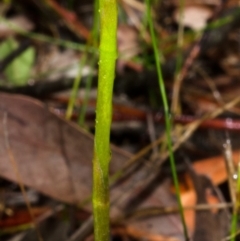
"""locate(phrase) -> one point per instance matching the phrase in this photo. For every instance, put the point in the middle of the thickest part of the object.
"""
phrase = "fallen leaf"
(52, 155)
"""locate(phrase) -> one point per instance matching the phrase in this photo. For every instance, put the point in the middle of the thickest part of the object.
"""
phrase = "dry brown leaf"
(53, 156)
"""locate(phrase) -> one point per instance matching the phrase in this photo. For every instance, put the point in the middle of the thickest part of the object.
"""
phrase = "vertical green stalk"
(94, 42)
(167, 115)
(95, 28)
(81, 118)
(75, 88)
(102, 155)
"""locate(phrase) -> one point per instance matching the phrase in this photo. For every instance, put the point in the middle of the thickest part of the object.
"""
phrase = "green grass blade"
(75, 88)
(81, 118)
(167, 115)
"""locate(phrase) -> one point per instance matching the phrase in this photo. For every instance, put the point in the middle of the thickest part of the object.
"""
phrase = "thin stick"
(157, 211)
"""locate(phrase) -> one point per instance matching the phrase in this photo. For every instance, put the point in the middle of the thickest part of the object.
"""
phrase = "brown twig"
(71, 20)
(127, 113)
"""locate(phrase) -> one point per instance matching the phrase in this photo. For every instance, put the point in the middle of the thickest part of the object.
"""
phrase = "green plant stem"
(75, 88)
(167, 116)
(81, 118)
(95, 29)
(102, 155)
(92, 41)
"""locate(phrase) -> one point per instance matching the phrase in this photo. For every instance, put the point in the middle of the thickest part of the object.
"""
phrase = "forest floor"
(47, 126)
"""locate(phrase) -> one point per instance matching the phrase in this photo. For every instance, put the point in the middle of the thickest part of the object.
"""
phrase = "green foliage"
(18, 71)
